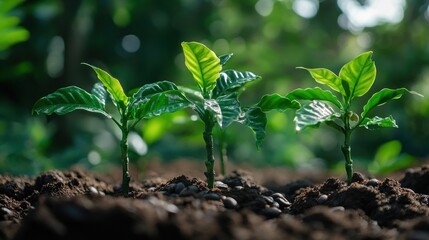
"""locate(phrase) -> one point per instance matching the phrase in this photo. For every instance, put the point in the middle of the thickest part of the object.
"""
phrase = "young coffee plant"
(216, 100)
(148, 101)
(222, 133)
(355, 79)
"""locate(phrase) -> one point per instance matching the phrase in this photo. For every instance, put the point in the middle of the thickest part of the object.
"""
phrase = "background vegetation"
(139, 42)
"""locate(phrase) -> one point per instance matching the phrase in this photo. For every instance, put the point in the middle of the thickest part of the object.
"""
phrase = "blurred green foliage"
(140, 42)
(388, 158)
(10, 33)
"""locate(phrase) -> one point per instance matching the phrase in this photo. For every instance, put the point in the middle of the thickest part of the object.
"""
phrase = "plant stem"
(222, 152)
(208, 138)
(124, 157)
(346, 149)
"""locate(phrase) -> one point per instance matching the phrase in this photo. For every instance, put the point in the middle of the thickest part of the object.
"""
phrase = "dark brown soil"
(77, 204)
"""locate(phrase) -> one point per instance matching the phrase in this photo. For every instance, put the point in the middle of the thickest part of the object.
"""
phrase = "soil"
(78, 204)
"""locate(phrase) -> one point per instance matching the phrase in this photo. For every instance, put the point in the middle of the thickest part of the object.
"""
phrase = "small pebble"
(277, 195)
(373, 182)
(187, 191)
(93, 190)
(194, 188)
(238, 187)
(179, 187)
(338, 209)
(7, 211)
(101, 193)
(171, 208)
(211, 196)
(358, 177)
(283, 202)
(322, 198)
(271, 212)
(268, 200)
(230, 203)
(171, 188)
(220, 184)
(276, 204)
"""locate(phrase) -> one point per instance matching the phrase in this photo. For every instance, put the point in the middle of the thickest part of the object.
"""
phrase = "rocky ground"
(77, 204)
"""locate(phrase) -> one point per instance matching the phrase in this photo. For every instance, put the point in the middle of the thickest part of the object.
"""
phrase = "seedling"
(148, 101)
(216, 100)
(223, 133)
(355, 79)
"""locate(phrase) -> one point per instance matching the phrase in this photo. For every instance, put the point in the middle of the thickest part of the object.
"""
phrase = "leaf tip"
(416, 93)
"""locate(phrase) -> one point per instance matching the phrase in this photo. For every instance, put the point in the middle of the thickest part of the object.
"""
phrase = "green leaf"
(378, 122)
(224, 58)
(314, 94)
(112, 85)
(8, 22)
(68, 99)
(387, 151)
(7, 5)
(212, 107)
(388, 158)
(148, 90)
(313, 114)
(231, 80)
(360, 74)
(203, 64)
(230, 107)
(277, 102)
(100, 92)
(327, 77)
(148, 93)
(383, 96)
(255, 119)
(11, 36)
(160, 103)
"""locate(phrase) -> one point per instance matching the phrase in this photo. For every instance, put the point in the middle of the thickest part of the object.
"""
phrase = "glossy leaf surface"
(314, 94)
(255, 119)
(157, 104)
(313, 114)
(383, 96)
(231, 80)
(69, 99)
(148, 90)
(212, 107)
(378, 122)
(230, 107)
(225, 58)
(277, 102)
(100, 92)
